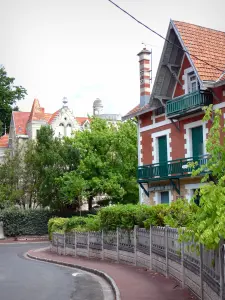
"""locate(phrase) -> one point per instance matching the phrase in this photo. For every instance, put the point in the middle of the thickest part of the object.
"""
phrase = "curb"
(24, 243)
(105, 276)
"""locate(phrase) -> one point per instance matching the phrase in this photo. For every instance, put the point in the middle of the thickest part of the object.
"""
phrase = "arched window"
(68, 130)
(61, 130)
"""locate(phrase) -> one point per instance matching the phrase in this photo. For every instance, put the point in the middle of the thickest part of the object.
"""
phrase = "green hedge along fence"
(18, 222)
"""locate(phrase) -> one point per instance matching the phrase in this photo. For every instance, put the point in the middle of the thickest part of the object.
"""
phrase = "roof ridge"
(200, 26)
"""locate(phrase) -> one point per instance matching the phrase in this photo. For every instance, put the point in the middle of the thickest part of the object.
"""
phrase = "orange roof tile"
(207, 44)
(137, 110)
(20, 121)
(53, 116)
(47, 117)
(81, 120)
(4, 141)
(37, 112)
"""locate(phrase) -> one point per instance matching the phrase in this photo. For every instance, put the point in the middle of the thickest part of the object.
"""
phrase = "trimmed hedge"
(81, 224)
(25, 222)
(31, 222)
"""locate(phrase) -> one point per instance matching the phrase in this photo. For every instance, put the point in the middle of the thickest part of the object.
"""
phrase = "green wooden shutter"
(162, 149)
(197, 142)
(165, 197)
(162, 143)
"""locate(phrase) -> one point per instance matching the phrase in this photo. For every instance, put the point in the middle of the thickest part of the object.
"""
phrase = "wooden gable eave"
(187, 54)
(168, 70)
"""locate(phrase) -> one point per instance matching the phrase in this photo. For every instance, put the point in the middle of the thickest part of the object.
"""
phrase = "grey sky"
(87, 49)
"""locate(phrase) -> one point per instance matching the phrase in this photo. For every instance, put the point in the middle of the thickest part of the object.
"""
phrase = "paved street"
(22, 279)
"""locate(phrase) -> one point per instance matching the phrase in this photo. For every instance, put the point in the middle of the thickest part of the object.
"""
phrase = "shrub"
(180, 213)
(126, 216)
(90, 223)
(56, 225)
(74, 222)
(157, 216)
(24, 222)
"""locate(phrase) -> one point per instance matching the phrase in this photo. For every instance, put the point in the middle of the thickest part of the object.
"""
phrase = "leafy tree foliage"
(209, 219)
(17, 177)
(108, 160)
(54, 158)
(9, 95)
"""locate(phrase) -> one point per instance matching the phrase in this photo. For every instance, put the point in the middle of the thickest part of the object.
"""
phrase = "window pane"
(165, 197)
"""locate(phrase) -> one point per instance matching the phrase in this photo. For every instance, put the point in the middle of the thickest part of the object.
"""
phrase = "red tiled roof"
(137, 110)
(81, 120)
(4, 141)
(20, 121)
(37, 112)
(53, 116)
(47, 117)
(208, 45)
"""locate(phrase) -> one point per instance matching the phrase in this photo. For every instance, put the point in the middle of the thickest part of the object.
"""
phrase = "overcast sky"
(88, 48)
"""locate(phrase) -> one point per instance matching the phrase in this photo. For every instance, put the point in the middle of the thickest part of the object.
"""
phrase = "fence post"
(221, 257)
(64, 244)
(88, 244)
(201, 272)
(166, 248)
(117, 244)
(75, 243)
(135, 244)
(150, 246)
(102, 244)
(57, 244)
(182, 263)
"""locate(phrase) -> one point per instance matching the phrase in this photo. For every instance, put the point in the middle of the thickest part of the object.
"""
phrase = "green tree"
(209, 219)
(108, 160)
(53, 159)
(9, 95)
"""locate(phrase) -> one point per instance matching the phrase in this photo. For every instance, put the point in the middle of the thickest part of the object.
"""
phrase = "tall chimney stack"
(144, 61)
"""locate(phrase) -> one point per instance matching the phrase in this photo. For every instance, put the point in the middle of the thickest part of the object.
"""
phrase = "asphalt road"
(24, 279)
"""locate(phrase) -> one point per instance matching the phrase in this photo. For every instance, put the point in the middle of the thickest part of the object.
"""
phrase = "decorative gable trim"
(188, 55)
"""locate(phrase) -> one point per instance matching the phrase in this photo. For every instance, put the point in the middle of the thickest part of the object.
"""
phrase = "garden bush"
(56, 225)
(25, 222)
(89, 223)
(178, 214)
(126, 216)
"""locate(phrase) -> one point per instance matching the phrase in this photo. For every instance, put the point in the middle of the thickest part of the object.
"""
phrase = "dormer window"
(192, 82)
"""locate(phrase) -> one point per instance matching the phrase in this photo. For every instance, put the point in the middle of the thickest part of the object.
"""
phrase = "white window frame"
(189, 75)
(186, 79)
(190, 189)
(188, 137)
(155, 145)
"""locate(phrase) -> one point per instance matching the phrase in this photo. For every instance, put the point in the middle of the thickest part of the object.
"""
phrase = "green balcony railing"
(171, 169)
(183, 104)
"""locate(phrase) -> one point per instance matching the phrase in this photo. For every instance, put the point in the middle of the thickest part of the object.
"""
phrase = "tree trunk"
(90, 203)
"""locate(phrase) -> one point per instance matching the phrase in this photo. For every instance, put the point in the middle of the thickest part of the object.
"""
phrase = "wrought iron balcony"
(171, 169)
(188, 103)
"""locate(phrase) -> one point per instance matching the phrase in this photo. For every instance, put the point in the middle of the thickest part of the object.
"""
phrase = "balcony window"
(192, 82)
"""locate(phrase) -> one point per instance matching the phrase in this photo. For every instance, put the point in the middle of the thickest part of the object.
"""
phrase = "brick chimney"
(144, 61)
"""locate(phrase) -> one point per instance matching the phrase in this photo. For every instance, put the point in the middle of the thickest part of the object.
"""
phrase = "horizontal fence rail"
(159, 249)
(172, 168)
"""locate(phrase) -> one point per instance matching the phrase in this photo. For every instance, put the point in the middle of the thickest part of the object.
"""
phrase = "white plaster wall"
(65, 117)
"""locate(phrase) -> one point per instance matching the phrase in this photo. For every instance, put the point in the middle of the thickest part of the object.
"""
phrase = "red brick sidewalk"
(134, 283)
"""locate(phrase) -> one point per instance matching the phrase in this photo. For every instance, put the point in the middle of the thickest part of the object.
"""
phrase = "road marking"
(75, 274)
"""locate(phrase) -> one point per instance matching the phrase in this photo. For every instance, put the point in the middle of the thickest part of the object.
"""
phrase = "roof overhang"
(213, 84)
(138, 113)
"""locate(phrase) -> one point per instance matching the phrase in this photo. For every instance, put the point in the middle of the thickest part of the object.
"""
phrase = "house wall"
(179, 140)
